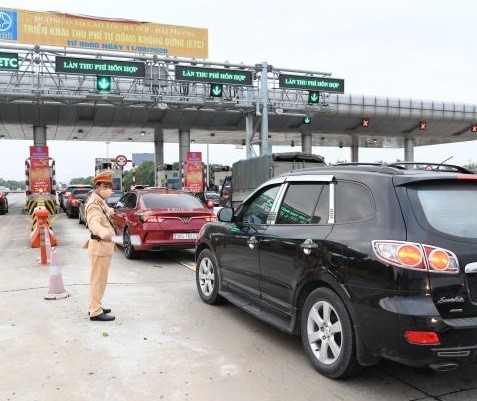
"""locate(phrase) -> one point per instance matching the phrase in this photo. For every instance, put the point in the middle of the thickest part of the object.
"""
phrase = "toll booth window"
(257, 209)
(299, 203)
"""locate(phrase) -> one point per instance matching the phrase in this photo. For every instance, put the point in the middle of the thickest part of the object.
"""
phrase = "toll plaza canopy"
(99, 95)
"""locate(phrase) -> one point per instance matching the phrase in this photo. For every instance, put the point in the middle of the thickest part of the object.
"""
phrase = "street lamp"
(212, 134)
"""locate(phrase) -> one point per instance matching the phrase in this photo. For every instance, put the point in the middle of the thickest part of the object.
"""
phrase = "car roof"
(400, 173)
(160, 190)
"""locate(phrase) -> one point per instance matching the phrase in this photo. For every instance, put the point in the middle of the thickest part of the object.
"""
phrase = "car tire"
(128, 248)
(328, 336)
(2, 208)
(207, 278)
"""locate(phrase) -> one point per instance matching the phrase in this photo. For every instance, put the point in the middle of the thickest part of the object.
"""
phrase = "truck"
(248, 174)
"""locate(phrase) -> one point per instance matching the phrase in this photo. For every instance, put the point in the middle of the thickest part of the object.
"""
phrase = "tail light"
(145, 218)
(74, 202)
(211, 218)
(415, 256)
(422, 337)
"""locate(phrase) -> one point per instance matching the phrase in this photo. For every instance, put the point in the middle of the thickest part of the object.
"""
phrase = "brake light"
(415, 256)
(422, 337)
(211, 218)
(74, 201)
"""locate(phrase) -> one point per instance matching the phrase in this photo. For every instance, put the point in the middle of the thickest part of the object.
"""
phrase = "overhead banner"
(85, 32)
(194, 175)
(39, 170)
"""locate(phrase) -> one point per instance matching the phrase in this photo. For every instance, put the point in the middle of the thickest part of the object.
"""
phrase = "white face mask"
(105, 192)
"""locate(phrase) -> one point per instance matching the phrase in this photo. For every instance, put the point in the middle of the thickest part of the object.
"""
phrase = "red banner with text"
(194, 175)
(39, 170)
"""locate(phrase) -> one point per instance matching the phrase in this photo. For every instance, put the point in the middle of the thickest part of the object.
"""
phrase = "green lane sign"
(216, 90)
(311, 83)
(97, 66)
(214, 75)
(103, 83)
(313, 97)
(307, 120)
(8, 61)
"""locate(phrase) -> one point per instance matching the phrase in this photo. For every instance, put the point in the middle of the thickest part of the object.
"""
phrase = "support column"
(265, 148)
(39, 135)
(158, 154)
(248, 135)
(184, 144)
(408, 149)
(354, 149)
(306, 143)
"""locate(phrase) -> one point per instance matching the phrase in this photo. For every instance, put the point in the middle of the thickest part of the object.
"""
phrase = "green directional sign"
(307, 120)
(214, 75)
(103, 83)
(8, 61)
(313, 97)
(98, 66)
(216, 90)
(311, 83)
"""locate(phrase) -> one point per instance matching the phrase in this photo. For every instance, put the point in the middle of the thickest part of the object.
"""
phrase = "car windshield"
(171, 201)
(449, 208)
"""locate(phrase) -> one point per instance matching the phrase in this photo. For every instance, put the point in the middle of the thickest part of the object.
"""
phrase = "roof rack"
(440, 167)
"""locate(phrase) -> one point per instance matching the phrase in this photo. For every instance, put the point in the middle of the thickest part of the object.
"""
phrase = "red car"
(152, 219)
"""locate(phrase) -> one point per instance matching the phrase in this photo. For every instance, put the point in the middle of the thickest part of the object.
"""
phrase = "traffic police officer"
(100, 246)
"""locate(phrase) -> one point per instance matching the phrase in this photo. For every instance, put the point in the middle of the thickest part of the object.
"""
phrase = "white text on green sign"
(9, 61)
(316, 83)
(213, 75)
(95, 66)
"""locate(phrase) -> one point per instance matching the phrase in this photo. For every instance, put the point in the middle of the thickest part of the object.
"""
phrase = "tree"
(145, 175)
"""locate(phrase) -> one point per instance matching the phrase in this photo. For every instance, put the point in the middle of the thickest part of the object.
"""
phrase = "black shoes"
(102, 317)
(105, 310)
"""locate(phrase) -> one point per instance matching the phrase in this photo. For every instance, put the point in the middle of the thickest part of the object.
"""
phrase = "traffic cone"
(56, 289)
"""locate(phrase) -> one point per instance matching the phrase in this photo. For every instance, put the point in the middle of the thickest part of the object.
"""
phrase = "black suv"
(363, 261)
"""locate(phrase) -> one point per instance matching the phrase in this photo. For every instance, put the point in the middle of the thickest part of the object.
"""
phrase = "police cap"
(105, 176)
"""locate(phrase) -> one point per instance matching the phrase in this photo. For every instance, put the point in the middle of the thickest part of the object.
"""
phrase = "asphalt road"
(165, 344)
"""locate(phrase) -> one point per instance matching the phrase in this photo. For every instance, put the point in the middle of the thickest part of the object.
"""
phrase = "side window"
(354, 202)
(122, 201)
(130, 201)
(256, 210)
(299, 203)
(322, 211)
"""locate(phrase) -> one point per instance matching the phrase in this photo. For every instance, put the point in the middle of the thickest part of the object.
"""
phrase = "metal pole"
(208, 167)
(264, 145)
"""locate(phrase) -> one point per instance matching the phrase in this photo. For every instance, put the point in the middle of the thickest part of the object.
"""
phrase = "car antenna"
(442, 162)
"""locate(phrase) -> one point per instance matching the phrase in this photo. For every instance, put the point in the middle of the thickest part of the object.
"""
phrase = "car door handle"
(252, 241)
(308, 245)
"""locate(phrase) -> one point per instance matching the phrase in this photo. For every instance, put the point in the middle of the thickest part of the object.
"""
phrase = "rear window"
(449, 208)
(171, 201)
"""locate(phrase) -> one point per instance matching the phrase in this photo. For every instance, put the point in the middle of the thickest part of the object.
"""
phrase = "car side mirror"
(226, 214)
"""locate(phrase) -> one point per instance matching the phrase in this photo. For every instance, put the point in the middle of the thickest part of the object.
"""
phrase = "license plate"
(184, 236)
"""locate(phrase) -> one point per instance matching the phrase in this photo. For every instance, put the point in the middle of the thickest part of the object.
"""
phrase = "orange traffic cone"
(56, 289)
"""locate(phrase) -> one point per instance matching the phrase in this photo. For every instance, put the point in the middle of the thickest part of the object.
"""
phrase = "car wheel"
(80, 220)
(129, 250)
(207, 278)
(2, 208)
(328, 336)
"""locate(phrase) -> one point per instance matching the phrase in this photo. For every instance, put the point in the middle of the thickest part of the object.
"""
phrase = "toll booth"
(103, 164)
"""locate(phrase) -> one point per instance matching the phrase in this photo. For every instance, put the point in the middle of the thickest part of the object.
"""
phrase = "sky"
(421, 49)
